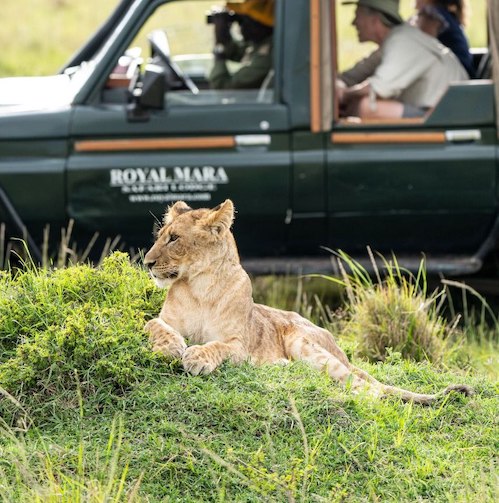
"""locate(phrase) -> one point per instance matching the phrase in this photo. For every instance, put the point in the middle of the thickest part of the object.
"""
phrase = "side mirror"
(147, 94)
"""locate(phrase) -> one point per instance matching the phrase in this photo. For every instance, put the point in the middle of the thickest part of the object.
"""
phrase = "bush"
(79, 321)
(393, 314)
(385, 317)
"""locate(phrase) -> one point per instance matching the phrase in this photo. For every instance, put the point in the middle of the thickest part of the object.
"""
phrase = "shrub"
(81, 321)
(385, 317)
(393, 313)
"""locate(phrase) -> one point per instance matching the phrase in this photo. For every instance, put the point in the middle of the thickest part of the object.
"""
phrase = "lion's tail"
(408, 396)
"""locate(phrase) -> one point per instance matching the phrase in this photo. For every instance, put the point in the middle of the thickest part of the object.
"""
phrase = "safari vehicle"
(122, 132)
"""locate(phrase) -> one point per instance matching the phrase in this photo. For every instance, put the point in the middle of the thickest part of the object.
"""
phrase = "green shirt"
(256, 62)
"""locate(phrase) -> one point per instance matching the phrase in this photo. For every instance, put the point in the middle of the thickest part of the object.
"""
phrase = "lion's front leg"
(205, 358)
(165, 338)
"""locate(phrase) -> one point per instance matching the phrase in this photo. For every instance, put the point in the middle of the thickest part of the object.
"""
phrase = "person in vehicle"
(427, 18)
(256, 22)
(444, 19)
(414, 69)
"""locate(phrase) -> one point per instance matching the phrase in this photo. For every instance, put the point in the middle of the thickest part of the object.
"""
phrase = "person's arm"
(351, 97)
(361, 70)
(225, 49)
(220, 76)
(356, 92)
(253, 71)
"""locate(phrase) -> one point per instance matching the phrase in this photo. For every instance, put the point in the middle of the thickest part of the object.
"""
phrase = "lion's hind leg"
(306, 346)
(309, 344)
(165, 338)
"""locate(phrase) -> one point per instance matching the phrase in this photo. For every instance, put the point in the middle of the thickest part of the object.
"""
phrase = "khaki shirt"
(256, 62)
(410, 66)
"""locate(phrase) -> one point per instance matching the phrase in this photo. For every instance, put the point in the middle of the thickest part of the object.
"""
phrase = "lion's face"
(190, 241)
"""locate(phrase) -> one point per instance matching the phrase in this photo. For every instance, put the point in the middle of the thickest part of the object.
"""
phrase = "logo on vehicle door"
(165, 184)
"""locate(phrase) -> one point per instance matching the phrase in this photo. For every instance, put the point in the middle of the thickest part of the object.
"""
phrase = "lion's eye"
(173, 238)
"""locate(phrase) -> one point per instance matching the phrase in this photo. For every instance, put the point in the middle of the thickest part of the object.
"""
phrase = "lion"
(210, 304)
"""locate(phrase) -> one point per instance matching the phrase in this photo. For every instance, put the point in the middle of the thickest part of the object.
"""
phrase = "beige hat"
(388, 7)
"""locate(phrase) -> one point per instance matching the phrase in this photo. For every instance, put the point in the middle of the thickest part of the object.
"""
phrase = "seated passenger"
(414, 69)
(444, 19)
(256, 21)
(446, 26)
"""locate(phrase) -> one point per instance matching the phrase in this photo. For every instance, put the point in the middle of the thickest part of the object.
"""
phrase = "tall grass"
(58, 253)
(389, 309)
(394, 312)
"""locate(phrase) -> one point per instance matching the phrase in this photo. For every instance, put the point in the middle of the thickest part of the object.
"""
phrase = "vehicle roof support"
(321, 84)
(493, 14)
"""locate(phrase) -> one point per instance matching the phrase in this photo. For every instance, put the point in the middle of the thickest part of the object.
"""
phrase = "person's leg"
(381, 109)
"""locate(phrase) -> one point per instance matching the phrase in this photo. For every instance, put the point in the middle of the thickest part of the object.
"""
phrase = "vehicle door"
(204, 146)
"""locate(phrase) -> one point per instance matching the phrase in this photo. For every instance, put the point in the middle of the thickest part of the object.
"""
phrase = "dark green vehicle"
(122, 132)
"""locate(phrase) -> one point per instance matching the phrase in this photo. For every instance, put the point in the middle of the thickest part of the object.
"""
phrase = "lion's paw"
(196, 360)
(163, 341)
(155, 327)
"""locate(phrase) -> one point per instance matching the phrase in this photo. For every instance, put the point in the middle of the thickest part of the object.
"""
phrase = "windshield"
(80, 68)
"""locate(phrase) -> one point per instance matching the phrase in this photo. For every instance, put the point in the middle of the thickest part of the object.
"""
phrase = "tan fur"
(210, 304)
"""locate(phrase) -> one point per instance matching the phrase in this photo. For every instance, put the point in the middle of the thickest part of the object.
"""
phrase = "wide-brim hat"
(259, 10)
(388, 7)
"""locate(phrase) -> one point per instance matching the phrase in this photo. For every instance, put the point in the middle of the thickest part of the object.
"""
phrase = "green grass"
(39, 36)
(268, 434)
(88, 413)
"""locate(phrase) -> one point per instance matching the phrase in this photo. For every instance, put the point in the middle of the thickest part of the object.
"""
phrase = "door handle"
(463, 135)
(250, 140)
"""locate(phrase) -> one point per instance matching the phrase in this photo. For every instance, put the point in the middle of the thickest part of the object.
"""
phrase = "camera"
(228, 15)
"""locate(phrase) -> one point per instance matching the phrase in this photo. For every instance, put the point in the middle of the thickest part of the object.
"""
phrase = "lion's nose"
(149, 263)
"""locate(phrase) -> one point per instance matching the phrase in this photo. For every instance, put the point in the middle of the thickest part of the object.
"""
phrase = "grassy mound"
(78, 324)
(88, 413)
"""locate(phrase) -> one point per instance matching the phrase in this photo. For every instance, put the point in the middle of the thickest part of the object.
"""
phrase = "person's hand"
(340, 90)
(222, 29)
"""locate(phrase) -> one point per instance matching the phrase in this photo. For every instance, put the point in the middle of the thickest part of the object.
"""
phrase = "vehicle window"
(350, 50)
(179, 37)
(391, 95)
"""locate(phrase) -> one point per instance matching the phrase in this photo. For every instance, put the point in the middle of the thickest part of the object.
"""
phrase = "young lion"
(210, 303)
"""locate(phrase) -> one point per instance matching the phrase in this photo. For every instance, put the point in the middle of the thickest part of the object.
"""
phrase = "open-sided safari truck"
(113, 139)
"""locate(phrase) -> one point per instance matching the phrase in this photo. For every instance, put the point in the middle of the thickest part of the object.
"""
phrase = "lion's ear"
(220, 218)
(174, 211)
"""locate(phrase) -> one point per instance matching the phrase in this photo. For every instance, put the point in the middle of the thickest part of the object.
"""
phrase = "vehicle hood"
(34, 93)
(35, 108)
